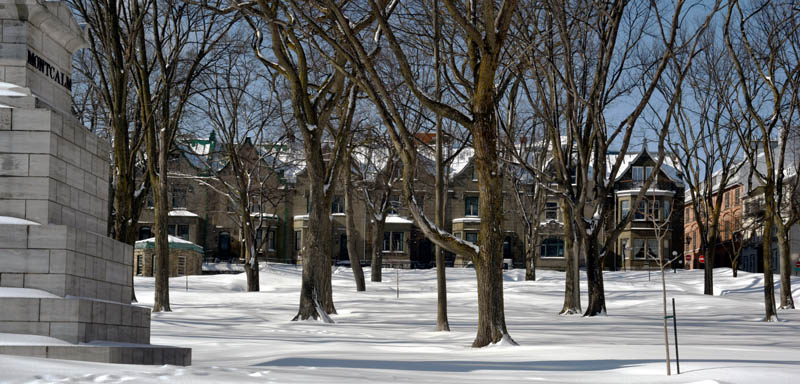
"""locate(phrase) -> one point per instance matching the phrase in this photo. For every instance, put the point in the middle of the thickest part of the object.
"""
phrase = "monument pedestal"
(60, 276)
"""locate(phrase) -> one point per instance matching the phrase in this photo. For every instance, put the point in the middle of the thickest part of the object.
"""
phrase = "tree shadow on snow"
(468, 366)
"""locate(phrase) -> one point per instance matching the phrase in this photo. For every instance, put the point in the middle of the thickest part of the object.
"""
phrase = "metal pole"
(648, 269)
(187, 281)
(675, 328)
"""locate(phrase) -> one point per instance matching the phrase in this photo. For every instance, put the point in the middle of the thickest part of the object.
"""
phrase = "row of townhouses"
(741, 218)
(202, 215)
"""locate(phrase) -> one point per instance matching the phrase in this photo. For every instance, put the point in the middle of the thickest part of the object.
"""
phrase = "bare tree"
(761, 40)
(591, 62)
(109, 103)
(484, 29)
(661, 223)
(242, 111)
(705, 143)
(169, 57)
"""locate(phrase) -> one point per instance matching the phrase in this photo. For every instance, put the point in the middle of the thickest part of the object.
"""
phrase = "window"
(139, 266)
(397, 241)
(393, 241)
(472, 237)
(639, 215)
(688, 214)
(181, 265)
(471, 206)
(259, 238)
(308, 202)
(726, 200)
(271, 240)
(623, 245)
(727, 229)
(638, 249)
(179, 230)
(145, 233)
(179, 197)
(625, 208)
(552, 247)
(458, 235)
(736, 196)
(652, 248)
(338, 205)
(298, 240)
(474, 174)
(653, 210)
(648, 172)
(551, 211)
(638, 174)
(573, 176)
(667, 209)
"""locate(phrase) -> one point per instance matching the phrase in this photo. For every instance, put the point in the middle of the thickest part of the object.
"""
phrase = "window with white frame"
(638, 174)
(472, 237)
(551, 211)
(653, 210)
(337, 206)
(624, 208)
(648, 172)
(667, 209)
(298, 240)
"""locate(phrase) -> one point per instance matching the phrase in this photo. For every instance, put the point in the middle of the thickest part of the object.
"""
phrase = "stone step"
(75, 320)
(142, 354)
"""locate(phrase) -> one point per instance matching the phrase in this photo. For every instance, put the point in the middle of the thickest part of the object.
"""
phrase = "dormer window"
(638, 174)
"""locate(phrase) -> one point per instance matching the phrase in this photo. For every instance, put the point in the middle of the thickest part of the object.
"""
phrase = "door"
(224, 246)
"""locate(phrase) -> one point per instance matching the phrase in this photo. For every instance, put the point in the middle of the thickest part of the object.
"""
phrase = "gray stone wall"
(66, 262)
(52, 170)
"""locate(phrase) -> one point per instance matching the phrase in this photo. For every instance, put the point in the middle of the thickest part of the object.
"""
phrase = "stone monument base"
(116, 353)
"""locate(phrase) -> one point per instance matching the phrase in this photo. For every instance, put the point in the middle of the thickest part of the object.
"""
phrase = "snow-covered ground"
(248, 337)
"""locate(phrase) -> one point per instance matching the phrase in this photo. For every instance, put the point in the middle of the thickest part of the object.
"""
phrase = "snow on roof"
(467, 220)
(395, 219)
(461, 161)
(16, 221)
(182, 213)
(667, 167)
(264, 214)
(174, 242)
(301, 217)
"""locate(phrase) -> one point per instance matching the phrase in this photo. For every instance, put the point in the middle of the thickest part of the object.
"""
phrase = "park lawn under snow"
(237, 336)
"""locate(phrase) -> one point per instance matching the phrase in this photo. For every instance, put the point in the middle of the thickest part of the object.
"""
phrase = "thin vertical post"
(397, 279)
(187, 280)
(675, 328)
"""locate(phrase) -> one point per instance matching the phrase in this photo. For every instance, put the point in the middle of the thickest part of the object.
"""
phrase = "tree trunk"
(594, 277)
(350, 227)
(377, 249)
(250, 255)
(316, 294)
(442, 323)
(770, 313)
(735, 267)
(160, 200)
(785, 268)
(572, 298)
(531, 254)
(708, 266)
(489, 263)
